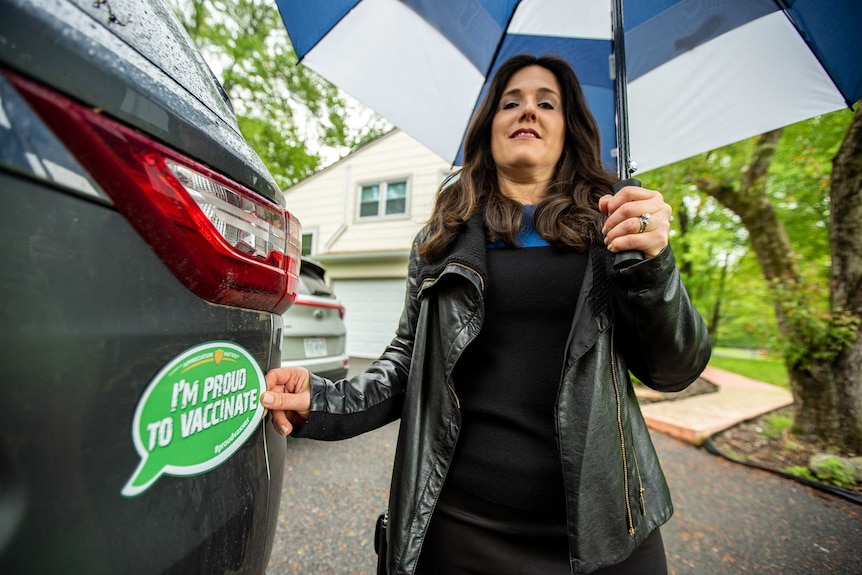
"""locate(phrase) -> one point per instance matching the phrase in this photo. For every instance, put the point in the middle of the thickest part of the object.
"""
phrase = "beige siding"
(366, 259)
(327, 203)
(365, 268)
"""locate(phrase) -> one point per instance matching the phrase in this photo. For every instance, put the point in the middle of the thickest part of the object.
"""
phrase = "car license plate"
(315, 346)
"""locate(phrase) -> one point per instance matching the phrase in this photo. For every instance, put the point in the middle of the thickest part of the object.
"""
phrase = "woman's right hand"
(625, 230)
(288, 396)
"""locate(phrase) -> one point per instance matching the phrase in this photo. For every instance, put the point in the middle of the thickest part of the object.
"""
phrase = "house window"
(383, 199)
(307, 243)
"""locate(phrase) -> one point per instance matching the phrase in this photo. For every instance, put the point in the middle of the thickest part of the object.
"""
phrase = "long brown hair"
(568, 216)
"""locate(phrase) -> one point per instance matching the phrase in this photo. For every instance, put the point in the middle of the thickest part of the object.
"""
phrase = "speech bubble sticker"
(197, 412)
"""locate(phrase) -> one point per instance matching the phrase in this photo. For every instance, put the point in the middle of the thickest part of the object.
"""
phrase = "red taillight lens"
(226, 243)
(317, 303)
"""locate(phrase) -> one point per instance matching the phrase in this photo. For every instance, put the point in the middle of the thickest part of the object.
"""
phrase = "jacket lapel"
(467, 251)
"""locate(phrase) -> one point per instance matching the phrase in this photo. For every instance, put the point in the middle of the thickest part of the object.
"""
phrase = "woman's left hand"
(628, 227)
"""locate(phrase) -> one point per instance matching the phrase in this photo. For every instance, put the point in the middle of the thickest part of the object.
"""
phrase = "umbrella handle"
(624, 259)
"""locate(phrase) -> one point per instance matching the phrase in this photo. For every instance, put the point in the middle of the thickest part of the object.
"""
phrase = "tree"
(288, 114)
(708, 237)
(843, 378)
(818, 323)
(712, 249)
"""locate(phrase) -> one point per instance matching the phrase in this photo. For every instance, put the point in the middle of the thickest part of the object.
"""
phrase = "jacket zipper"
(641, 490)
(623, 446)
(448, 384)
(482, 286)
(454, 396)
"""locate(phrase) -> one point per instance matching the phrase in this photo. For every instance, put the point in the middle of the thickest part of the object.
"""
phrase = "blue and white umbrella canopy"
(700, 73)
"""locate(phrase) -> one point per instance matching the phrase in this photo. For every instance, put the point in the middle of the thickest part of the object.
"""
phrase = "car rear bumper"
(331, 367)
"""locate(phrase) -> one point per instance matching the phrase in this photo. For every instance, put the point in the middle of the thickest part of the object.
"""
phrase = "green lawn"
(768, 369)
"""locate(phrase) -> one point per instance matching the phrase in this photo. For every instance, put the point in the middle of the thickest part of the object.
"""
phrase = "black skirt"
(470, 536)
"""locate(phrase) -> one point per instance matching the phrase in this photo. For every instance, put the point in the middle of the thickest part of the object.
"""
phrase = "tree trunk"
(753, 206)
(765, 231)
(719, 297)
(829, 395)
(681, 211)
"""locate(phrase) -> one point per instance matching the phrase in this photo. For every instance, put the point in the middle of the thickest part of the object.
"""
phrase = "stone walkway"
(694, 419)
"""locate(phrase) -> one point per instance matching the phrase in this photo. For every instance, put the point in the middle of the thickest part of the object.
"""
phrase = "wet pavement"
(729, 518)
(332, 495)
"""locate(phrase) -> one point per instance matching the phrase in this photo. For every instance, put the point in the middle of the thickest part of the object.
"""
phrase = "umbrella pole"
(625, 167)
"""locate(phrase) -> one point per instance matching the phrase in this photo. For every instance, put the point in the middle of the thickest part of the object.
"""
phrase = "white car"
(314, 335)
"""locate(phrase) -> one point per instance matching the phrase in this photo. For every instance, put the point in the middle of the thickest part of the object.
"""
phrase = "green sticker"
(196, 413)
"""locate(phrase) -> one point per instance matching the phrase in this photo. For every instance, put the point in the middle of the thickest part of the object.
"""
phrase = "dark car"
(314, 333)
(147, 259)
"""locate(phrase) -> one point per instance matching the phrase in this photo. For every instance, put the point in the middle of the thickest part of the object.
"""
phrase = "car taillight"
(224, 242)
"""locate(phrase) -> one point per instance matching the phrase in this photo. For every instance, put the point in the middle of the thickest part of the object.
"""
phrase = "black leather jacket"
(640, 320)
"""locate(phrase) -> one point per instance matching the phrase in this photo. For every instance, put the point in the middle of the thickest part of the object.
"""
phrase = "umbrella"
(698, 74)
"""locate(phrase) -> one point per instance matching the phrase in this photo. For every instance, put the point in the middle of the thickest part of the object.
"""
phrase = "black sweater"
(508, 378)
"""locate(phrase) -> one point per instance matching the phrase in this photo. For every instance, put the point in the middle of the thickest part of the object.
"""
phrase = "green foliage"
(289, 115)
(836, 472)
(775, 424)
(800, 471)
(709, 240)
(799, 184)
(288, 163)
(813, 332)
(748, 315)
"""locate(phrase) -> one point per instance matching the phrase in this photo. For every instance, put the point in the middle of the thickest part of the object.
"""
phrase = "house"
(359, 217)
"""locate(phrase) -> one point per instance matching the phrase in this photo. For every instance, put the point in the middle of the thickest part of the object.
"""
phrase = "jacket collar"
(467, 251)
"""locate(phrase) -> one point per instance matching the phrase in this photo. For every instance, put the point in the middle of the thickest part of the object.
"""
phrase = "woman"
(522, 448)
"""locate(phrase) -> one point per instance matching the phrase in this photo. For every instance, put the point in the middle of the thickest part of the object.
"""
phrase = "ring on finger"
(644, 219)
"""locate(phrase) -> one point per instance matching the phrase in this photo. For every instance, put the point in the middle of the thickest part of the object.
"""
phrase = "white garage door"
(373, 308)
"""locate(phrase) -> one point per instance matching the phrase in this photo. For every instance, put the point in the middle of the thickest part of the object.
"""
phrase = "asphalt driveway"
(729, 518)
